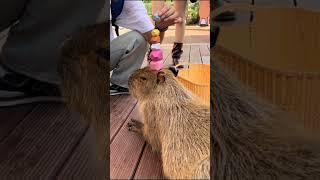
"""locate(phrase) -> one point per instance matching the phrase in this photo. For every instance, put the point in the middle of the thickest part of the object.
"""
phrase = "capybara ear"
(161, 77)
(174, 71)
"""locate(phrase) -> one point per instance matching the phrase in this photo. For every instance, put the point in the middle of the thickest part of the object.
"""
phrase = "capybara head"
(87, 45)
(89, 39)
(147, 83)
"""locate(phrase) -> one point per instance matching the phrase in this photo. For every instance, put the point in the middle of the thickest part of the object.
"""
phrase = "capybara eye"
(143, 78)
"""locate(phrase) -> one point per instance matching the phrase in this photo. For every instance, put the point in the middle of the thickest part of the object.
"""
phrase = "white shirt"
(134, 16)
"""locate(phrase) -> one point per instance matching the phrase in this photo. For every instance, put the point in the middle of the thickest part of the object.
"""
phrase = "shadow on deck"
(42, 141)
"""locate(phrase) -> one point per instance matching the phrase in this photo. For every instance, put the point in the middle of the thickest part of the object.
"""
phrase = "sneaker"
(17, 89)
(118, 90)
(203, 22)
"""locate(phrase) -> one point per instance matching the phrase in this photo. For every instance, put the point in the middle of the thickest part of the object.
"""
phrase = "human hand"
(168, 16)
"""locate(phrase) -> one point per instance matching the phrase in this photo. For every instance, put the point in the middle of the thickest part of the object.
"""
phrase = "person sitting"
(127, 51)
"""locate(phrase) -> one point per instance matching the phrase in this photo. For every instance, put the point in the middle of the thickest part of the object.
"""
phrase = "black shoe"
(16, 89)
(118, 90)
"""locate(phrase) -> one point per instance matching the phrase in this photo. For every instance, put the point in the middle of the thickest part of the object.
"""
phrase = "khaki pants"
(127, 53)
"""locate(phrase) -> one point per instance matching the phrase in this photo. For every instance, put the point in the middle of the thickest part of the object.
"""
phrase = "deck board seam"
(139, 159)
(200, 56)
(115, 100)
(3, 139)
(165, 60)
(117, 131)
(72, 151)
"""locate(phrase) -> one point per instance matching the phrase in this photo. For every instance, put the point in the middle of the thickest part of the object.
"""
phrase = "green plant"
(148, 6)
(193, 13)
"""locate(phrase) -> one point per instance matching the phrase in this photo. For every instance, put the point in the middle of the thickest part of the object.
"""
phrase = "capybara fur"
(175, 123)
(83, 68)
(253, 140)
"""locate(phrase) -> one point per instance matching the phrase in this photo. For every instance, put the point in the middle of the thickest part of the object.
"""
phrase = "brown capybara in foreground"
(174, 123)
(252, 140)
(83, 68)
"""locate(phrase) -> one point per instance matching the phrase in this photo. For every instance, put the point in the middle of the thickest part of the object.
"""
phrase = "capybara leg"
(135, 126)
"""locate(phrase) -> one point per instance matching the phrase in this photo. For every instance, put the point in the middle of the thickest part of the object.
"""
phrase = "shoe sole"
(119, 93)
(23, 101)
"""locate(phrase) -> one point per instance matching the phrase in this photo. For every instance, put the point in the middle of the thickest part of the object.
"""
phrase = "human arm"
(135, 17)
(168, 16)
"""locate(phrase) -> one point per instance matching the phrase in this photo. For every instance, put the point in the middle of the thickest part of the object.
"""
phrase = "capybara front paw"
(135, 126)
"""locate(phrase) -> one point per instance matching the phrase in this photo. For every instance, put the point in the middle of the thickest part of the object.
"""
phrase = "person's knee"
(138, 39)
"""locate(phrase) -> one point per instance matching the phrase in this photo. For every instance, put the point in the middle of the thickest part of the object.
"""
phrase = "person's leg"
(32, 47)
(204, 12)
(157, 5)
(180, 6)
(28, 68)
(127, 53)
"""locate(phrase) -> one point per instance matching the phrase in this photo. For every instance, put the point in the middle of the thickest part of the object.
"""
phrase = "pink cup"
(156, 65)
(156, 55)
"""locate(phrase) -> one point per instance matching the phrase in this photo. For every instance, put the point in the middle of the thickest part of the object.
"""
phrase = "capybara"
(83, 68)
(175, 123)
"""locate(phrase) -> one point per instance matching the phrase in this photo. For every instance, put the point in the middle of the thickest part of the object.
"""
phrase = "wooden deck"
(130, 156)
(42, 141)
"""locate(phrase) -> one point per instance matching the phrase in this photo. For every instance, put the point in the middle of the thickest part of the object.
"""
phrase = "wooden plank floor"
(130, 156)
(43, 141)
